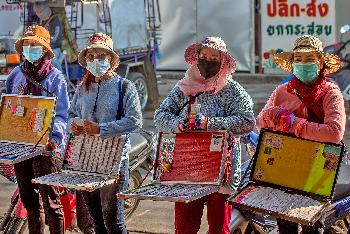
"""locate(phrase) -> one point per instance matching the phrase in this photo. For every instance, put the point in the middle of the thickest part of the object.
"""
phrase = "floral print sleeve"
(166, 117)
(239, 118)
(230, 109)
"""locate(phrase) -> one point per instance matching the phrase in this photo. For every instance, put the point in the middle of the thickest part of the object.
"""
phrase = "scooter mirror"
(345, 28)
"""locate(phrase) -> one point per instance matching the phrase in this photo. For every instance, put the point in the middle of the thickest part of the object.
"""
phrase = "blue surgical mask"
(98, 67)
(306, 72)
(32, 53)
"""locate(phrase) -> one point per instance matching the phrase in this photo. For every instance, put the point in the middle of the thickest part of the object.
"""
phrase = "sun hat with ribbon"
(99, 41)
(38, 34)
(228, 63)
(308, 43)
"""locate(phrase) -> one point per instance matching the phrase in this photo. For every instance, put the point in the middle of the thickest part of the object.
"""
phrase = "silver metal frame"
(104, 179)
(40, 148)
(212, 186)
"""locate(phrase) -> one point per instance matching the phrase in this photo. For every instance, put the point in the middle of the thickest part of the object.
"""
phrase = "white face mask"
(98, 67)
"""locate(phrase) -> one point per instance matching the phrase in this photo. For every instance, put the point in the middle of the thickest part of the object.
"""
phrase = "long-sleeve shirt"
(55, 83)
(331, 130)
(229, 109)
(55, 28)
(107, 100)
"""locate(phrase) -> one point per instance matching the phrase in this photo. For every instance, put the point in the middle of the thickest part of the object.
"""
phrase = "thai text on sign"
(282, 21)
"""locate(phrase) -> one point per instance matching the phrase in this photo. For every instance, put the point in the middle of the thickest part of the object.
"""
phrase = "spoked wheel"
(141, 86)
(6, 219)
(18, 226)
(131, 204)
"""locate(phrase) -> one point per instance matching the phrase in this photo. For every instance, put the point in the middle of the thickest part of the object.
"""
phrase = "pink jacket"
(334, 122)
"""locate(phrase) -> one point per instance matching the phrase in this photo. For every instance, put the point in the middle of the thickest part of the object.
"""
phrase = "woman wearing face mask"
(96, 102)
(308, 106)
(37, 68)
(221, 104)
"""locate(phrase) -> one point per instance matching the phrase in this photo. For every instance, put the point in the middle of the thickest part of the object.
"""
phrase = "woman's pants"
(106, 211)
(188, 215)
(84, 220)
(49, 200)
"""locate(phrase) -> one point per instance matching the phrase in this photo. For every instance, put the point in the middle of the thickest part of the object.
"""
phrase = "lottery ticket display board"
(291, 178)
(93, 162)
(188, 166)
(25, 122)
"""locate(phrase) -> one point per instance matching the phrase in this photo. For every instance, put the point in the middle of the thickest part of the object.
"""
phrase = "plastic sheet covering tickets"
(25, 123)
(188, 166)
(93, 162)
(291, 178)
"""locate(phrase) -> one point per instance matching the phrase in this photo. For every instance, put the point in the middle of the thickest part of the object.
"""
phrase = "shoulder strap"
(48, 21)
(192, 99)
(31, 80)
(122, 86)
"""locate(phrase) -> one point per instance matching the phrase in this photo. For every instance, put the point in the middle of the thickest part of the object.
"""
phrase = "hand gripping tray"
(25, 123)
(93, 163)
(188, 166)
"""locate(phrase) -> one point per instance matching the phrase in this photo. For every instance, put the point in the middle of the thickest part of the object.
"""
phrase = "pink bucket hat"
(228, 63)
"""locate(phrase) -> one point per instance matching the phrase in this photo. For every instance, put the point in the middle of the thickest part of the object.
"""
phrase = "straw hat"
(99, 41)
(228, 63)
(308, 43)
(38, 34)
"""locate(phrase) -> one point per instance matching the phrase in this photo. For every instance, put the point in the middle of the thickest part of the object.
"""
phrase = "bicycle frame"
(20, 211)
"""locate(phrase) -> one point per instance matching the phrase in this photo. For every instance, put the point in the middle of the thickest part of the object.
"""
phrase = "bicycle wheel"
(8, 216)
(131, 204)
(18, 226)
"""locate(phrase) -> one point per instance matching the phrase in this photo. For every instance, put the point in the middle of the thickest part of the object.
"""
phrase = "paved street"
(158, 217)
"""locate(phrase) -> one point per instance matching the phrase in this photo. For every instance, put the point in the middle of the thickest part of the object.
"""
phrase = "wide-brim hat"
(228, 62)
(36, 33)
(99, 41)
(308, 43)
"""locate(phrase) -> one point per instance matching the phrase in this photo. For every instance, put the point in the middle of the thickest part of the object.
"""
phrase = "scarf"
(194, 83)
(311, 96)
(37, 73)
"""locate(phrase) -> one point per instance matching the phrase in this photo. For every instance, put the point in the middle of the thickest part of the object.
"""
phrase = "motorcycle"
(342, 76)
(14, 221)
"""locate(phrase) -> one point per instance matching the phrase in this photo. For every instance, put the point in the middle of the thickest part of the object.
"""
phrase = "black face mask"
(207, 68)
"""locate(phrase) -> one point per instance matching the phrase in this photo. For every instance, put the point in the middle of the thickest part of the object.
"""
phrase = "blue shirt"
(107, 100)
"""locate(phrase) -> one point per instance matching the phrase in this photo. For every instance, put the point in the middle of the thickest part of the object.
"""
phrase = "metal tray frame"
(105, 178)
(212, 186)
(325, 199)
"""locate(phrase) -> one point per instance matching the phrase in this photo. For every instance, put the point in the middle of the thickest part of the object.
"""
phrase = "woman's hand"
(50, 149)
(279, 118)
(76, 129)
(91, 127)
(195, 122)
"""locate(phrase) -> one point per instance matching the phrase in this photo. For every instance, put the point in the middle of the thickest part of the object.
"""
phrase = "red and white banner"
(282, 21)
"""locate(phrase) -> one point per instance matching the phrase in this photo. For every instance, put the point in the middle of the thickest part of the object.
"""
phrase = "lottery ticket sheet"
(292, 178)
(25, 123)
(93, 162)
(188, 166)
